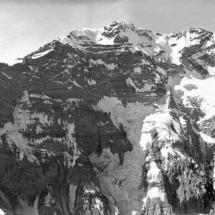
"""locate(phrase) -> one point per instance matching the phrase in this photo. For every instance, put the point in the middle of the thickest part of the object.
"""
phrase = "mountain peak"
(120, 23)
(116, 120)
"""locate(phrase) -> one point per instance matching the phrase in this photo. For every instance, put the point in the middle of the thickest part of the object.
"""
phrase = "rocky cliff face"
(117, 121)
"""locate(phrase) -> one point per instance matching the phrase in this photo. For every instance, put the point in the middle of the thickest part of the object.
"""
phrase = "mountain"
(114, 121)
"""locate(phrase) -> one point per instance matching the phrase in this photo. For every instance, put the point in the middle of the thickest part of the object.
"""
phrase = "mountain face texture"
(114, 121)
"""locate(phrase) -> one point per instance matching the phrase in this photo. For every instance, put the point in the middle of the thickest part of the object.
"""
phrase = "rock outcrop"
(118, 120)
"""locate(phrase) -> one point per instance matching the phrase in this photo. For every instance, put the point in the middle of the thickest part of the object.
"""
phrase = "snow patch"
(48, 200)
(2, 212)
(98, 205)
(45, 97)
(41, 54)
(175, 54)
(15, 137)
(137, 70)
(147, 87)
(71, 142)
(160, 124)
(74, 84)
(91, 82)
(211, 70)
(100, 62)
(154, 192)
(43, 118)
(201, 97)
(92, 35)
(177, 44)
(135, 213)
(69, 41)
(165, 151)
(73, 100)
(107, 105)
(207, 138)
(6, 75)
(102, 40)
(153, 174)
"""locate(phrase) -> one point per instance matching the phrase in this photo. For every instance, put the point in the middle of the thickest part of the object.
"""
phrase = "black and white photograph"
(107, 107)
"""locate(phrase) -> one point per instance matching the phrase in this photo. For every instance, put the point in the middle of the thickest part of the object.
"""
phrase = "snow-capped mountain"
(118, 120)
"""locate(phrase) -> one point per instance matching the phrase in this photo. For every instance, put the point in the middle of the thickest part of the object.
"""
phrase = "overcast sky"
(27, 25)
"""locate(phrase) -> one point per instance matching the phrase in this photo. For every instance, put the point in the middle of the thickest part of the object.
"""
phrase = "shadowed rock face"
(118, 120)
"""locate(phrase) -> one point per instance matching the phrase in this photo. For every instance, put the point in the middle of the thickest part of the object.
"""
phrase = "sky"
(27, 25)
